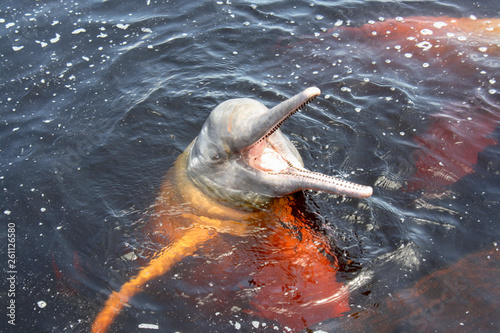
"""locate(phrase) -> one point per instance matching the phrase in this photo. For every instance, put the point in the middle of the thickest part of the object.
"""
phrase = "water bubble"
(78, 31)
(42, 44)
(122, 26)
(439, 24)
(149, 326)
(424, 45)
(55, 39)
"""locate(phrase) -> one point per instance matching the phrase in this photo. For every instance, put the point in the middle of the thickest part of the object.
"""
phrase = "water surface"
(99, 98)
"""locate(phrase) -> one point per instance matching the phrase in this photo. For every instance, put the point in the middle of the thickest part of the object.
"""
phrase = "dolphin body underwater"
(460, 54)
(237, 172)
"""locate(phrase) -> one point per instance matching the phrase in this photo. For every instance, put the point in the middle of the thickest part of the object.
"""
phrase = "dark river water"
(98, 99)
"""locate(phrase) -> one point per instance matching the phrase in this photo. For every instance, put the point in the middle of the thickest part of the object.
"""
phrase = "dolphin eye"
(212, 154)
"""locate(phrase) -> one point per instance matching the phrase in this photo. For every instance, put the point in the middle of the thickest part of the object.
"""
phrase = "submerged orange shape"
(297, 281)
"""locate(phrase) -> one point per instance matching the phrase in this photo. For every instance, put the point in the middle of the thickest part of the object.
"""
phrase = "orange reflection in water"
(297, 280)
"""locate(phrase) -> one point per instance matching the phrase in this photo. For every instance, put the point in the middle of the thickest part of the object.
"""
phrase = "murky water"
(99, 98)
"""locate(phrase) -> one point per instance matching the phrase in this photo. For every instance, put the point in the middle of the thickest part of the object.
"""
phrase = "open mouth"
(265, 157)
(273, 155)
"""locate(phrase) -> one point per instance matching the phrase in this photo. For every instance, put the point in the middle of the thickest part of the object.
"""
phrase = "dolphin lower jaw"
(280, 166)
(297, 179)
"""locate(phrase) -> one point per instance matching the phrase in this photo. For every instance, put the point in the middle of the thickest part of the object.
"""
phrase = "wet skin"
(229, 180)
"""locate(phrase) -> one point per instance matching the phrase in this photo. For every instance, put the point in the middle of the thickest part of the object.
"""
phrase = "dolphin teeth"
(339, 186)
(278, 125)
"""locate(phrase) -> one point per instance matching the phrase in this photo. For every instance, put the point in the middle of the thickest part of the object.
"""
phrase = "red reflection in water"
(461, 297)
(459, 52)
(432, 38)
(450, 147)
(297, 279)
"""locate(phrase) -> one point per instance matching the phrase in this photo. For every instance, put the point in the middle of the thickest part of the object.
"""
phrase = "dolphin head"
(241, 156)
